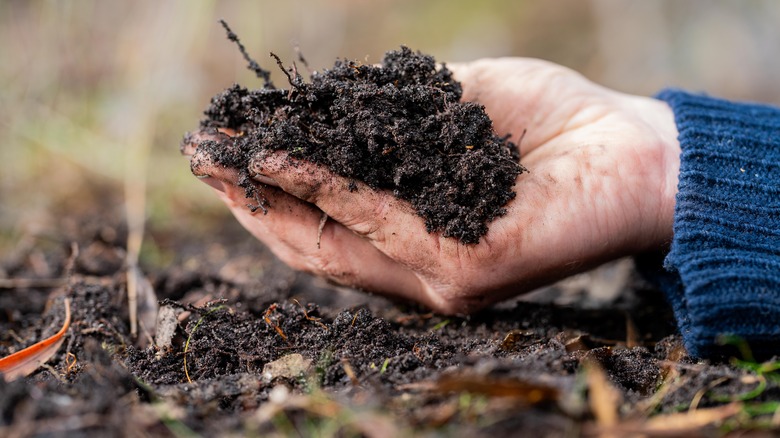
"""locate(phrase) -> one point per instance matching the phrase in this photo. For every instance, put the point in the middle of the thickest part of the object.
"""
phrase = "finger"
(391, 224)
(293, 230)
(192, 140)
(204, 167)
(202, 162)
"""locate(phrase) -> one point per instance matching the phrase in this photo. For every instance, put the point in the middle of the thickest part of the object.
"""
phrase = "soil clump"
(400, 127)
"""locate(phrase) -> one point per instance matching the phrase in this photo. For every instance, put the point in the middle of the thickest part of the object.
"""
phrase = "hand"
(603, 177)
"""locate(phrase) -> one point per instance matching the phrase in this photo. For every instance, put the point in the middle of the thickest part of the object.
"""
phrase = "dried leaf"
(690, 423)
(24, 362)
(679, 423)
(526, 391)
(517, 339)
(603, 397)
(147, 308)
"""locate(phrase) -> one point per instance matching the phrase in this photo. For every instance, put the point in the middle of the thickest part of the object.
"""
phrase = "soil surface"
(399, 127)
(234, 343)
(244, 345)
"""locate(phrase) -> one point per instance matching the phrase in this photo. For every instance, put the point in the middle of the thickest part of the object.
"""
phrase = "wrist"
(659, 120)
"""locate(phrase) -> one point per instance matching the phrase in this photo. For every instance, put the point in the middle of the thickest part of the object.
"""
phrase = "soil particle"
(399, 127)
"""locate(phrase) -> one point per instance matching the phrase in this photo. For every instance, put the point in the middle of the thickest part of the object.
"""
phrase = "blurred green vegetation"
(95, 96)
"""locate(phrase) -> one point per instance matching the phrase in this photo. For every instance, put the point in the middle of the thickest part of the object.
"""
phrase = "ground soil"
(348, 364)
(242, 345)
(400, 127)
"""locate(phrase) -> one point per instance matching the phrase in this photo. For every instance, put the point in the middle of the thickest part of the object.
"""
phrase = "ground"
(255, 348)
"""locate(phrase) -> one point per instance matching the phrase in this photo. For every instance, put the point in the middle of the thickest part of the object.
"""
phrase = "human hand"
(602, 181)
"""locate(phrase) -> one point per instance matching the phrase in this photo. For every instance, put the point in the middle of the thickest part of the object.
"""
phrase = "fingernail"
(265, 179)
(213, 182)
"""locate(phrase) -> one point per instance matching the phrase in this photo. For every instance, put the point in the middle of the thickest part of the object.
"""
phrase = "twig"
(260, 205)
(25, 283)
(310, 318)
(349, 371)
(261, 73)
(267, 319)
(70, 264)
(300, 57)
(135, 215)
(295, 79)
(321, 227)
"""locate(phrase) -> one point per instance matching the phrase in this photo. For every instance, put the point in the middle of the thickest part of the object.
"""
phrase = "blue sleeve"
(722, 274)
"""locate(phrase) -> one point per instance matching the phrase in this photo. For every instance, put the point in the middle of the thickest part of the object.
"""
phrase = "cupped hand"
(601, 184)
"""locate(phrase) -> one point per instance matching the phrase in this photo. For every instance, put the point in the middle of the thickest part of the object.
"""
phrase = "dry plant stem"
(189, 338)
(321, 227)
(310, 318)
(349, 371)
(135, 206)
(27, 283)
(265, 75)
(603, 398)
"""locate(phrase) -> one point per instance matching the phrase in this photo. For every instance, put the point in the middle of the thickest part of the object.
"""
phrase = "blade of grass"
(189, 338)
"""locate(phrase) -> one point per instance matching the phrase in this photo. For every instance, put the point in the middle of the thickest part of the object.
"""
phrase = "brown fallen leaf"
(603, 397)
(517, 389)
(24, 362)
(687, 424)
(691, 421)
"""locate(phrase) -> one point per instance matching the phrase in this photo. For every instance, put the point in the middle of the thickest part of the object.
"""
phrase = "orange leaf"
(24, 362)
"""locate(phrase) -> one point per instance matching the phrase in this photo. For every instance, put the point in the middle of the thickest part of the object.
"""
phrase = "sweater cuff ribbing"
(724, 260)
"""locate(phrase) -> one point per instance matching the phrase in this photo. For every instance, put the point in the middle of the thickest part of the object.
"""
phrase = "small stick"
(267, 319)
(259, 205)
(294, 81)
(310, 318)
(303, 60)
(25, 283)
(349, 371)
(321, 227)
(265, 75)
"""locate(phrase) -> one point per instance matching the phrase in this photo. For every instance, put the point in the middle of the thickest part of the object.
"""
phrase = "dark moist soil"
(348, 364)
(399, 127)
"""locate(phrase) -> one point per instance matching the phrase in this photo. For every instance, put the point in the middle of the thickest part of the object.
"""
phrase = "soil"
(255, 348)
(400, 127)
(242, 345)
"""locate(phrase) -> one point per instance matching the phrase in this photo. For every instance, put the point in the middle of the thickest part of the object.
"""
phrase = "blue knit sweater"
(723, 269)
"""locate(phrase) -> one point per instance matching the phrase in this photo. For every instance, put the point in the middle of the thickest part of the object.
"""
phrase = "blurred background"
(96, 95)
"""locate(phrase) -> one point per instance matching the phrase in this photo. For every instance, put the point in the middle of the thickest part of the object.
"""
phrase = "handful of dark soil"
(399, 127)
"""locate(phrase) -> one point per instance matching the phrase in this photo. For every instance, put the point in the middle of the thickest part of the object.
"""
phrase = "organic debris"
(24, 362)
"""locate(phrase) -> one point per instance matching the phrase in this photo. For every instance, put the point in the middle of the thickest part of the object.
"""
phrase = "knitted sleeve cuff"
(724, 263)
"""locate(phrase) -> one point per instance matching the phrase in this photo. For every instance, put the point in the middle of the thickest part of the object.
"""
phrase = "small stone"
(292, 365)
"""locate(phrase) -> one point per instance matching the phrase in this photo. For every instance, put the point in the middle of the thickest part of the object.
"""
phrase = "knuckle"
(369, 224)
